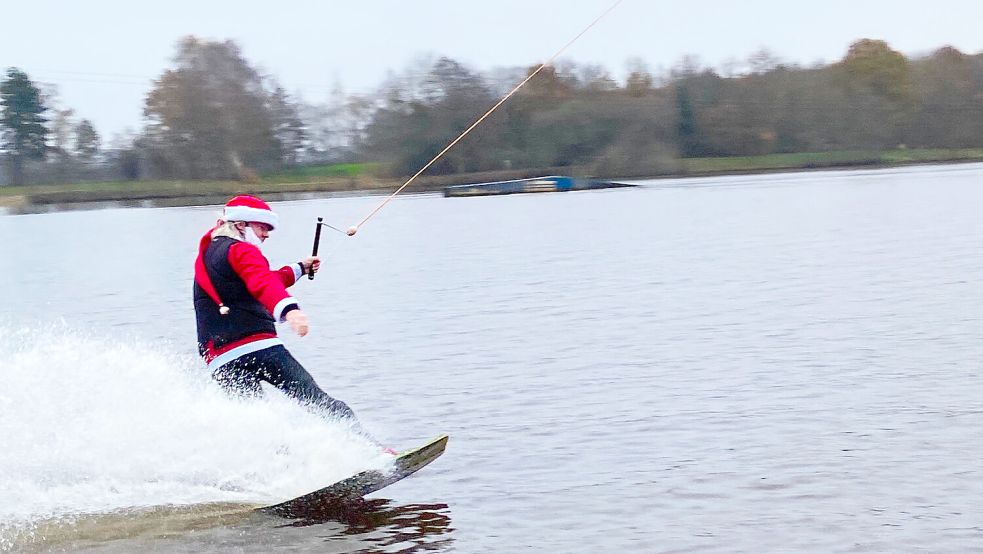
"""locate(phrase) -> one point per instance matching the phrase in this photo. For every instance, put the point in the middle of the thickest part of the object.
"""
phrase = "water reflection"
(387, 527)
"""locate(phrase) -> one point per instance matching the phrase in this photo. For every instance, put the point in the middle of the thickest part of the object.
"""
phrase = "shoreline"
(33, 199)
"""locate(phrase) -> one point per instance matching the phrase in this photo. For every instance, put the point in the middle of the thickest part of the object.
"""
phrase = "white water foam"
(91, 424)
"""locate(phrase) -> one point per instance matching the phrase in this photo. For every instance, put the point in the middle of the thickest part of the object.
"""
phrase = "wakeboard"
(355, 487)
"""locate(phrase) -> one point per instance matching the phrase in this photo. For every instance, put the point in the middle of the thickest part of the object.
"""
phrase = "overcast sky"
(103, 54)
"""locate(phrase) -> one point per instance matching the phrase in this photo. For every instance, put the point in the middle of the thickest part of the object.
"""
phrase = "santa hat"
(249, 208)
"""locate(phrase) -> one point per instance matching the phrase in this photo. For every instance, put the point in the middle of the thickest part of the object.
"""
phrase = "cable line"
(354, 228)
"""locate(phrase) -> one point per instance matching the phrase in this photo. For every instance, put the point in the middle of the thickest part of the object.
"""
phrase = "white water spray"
(91, 424)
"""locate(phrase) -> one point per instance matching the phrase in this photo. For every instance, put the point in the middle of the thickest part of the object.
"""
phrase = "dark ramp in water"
(335, 496)
(550, 183)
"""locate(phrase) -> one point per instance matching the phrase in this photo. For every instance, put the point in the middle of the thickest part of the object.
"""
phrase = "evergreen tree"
(22, 118)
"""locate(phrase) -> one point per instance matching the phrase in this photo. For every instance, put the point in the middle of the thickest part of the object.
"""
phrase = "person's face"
(262, 230)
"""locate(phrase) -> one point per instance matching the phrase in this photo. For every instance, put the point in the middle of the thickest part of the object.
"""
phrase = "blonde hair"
(227, 229)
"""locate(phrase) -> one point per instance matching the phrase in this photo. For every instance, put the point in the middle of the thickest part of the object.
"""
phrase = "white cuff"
(298, 271)
(281, 305)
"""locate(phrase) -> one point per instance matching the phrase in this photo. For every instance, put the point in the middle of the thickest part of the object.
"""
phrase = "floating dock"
(551, 183)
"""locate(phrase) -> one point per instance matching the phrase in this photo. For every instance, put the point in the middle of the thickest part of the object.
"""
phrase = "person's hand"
(298, 322)
(311, 263)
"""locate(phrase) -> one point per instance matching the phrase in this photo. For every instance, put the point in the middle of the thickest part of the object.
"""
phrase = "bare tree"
(211, 116)
(86, 141)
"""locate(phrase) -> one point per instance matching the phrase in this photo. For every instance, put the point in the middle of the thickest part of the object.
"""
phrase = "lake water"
(787, 362)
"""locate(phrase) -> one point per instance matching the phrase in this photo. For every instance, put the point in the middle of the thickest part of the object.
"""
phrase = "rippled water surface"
(787, 362)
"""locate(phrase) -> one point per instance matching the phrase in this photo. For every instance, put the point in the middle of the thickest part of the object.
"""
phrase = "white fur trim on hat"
(246, 213)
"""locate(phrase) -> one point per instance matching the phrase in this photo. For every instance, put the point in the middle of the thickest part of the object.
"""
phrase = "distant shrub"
(247, 175)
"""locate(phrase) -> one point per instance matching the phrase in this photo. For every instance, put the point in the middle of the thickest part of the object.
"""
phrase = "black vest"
(247, 316)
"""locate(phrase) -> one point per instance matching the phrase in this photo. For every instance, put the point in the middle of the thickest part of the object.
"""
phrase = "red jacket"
(234, 274)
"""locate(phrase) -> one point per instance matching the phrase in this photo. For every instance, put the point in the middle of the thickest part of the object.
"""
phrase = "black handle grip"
(317, 242)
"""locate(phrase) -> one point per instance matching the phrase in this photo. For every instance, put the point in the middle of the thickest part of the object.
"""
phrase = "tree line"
(213, 115)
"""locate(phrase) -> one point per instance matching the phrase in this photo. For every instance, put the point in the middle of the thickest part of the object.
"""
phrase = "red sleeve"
(264, 284)
(288, 275)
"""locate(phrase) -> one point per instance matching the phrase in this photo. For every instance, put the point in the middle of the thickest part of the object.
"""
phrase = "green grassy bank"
(359, 177)
(814, 160)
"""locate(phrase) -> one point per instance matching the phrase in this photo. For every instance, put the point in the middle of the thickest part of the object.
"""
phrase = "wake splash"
(93, 424)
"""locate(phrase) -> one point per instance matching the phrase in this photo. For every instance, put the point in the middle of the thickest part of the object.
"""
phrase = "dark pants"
(278, 367)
